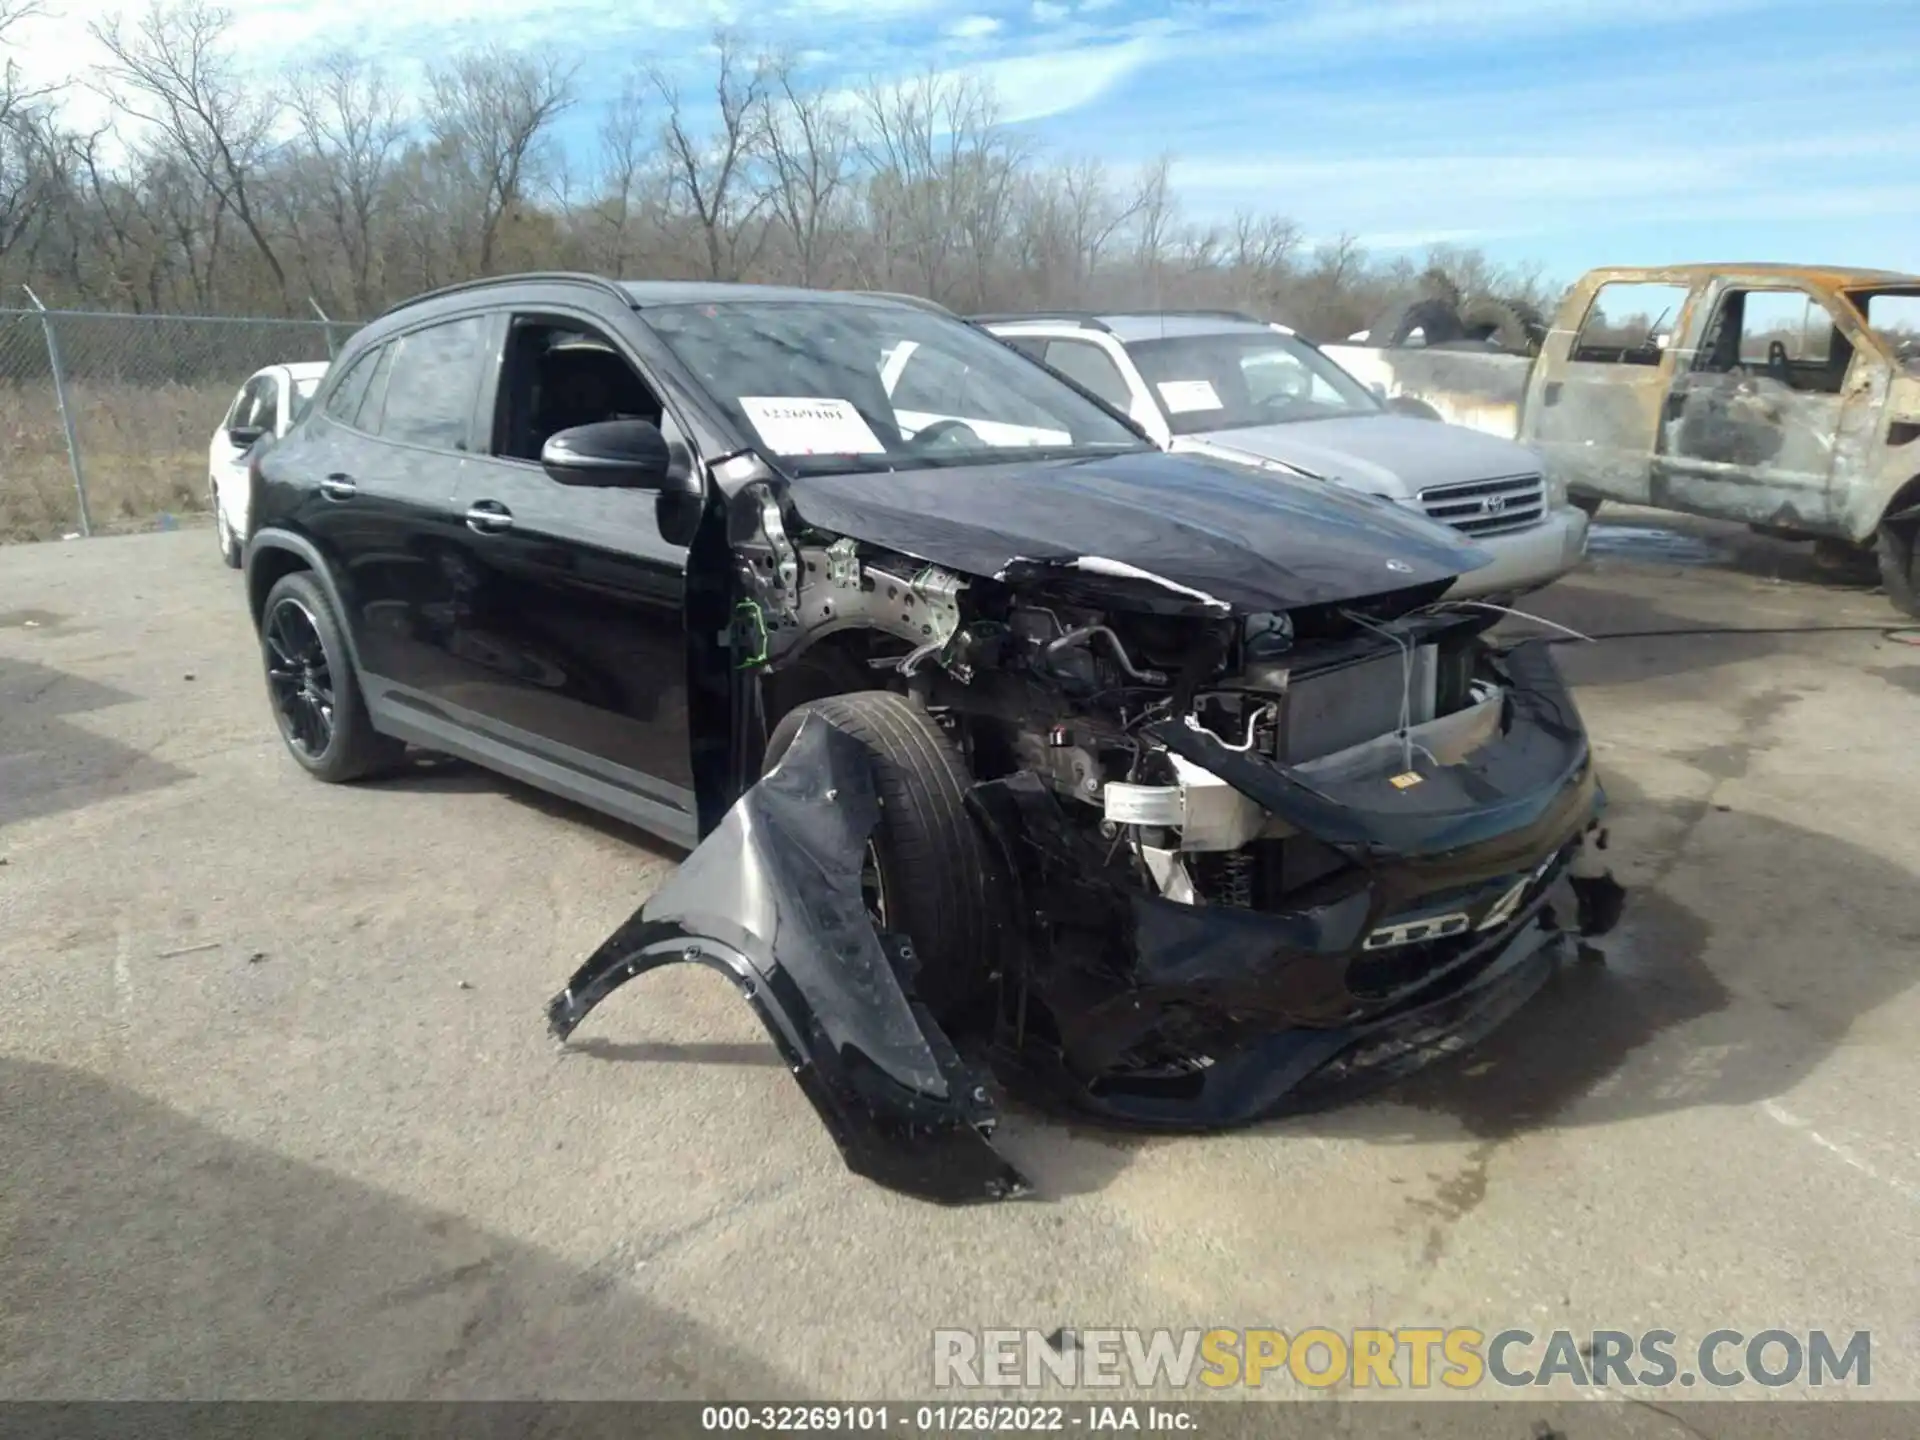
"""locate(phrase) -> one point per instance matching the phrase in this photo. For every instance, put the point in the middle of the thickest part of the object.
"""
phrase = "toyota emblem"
(1399, 567)
(1493, 504)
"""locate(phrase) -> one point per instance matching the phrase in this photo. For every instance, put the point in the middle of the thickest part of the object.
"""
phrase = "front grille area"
(1488, 507)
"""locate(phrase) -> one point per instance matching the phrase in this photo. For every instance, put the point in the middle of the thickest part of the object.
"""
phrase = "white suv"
(1234, 388)
(267, 404)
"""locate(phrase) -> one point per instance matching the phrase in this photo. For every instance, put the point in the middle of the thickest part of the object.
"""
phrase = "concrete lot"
(279, 1117)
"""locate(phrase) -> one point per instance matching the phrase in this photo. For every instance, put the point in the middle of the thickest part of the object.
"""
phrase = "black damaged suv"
(1173, 788)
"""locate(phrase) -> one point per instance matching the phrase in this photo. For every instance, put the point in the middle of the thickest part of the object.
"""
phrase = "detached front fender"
(772, 899)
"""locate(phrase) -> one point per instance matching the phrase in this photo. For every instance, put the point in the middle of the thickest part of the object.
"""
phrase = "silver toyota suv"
(1235, 388)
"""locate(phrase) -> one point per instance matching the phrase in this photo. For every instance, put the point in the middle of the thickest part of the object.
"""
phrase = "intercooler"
(1339, 709)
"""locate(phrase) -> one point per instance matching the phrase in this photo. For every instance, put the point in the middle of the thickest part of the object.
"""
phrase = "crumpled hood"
(1395, 455)
(1258, 541)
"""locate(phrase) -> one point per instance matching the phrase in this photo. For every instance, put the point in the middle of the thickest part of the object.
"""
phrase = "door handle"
(338, 487)
(488, 517)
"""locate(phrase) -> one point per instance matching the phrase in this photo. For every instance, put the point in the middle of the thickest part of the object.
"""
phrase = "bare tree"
(489, 114)
(621, 184)
(1155, 213)
(1094, 214)
(711, 172)
(210, 187)
(170, 70)
(809, 148)
(351, 129)
(25, 137)
(941, 173)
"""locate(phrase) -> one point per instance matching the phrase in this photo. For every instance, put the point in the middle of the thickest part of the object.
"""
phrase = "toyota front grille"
(1488, 507)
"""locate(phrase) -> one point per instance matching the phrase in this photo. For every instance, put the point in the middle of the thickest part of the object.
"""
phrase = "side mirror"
(609, 455)
(245, 437)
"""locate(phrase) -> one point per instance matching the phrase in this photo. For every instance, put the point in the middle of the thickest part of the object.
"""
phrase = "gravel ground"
(280, 1118)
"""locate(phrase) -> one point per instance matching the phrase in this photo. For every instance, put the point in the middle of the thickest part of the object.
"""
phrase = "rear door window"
(368, 415)
(1034, 347)
(1630, 322)
(1091, 368)
(432, 383)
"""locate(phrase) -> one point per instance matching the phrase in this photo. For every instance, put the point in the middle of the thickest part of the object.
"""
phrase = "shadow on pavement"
(146, 1255)
(49, 767)
(1585, 1050)
(1657, 538)
(1563, 1060)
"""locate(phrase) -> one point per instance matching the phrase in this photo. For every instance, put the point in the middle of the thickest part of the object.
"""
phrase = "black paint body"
(567, 636)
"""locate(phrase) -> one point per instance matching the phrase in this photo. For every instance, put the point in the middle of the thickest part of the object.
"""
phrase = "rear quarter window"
(343, 401)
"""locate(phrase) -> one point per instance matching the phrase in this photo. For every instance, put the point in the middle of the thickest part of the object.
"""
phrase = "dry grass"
(143, 450)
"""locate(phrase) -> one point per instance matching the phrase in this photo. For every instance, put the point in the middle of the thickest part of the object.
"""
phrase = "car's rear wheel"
(230, 547)
(313, 689)
(1899, 557)
(927, 874)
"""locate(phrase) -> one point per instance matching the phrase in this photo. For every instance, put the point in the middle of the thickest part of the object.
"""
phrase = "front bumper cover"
(1271, 1011)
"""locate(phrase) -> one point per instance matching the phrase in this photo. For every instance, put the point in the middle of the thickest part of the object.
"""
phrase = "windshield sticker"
(804, 425)
(1184, 396)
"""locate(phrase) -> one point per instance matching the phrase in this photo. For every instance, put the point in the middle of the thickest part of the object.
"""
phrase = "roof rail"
(1077, 317)
(576, 277)
(919, 302)
(1212, 315)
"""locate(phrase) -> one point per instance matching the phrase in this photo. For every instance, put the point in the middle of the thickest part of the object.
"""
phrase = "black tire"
(1435, 319)
(1896, 551)
(934, 870)
(1512, 325)
(305, 658)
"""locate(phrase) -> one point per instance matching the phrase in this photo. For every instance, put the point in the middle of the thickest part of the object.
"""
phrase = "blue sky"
(1569, 132)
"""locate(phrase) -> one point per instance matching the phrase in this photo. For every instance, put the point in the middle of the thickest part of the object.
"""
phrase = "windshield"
(1893, 314)
(1237, 379)
(830, 388)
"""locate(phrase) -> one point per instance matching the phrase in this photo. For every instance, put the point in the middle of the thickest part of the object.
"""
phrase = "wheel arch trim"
(274, 541)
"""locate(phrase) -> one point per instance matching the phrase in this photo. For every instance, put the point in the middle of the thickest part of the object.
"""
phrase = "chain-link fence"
(106, 420)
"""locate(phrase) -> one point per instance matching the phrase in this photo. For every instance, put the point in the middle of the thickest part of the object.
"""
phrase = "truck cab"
(1783, 397)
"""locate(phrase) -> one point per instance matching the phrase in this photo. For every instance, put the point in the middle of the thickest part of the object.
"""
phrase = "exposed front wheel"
(927, 874)
(313, 689)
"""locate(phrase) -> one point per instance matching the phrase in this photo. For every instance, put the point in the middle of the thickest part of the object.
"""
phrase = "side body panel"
(1594, 423)
(575, 617)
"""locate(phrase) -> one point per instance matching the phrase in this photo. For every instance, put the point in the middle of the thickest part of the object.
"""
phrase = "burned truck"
(1783, 397)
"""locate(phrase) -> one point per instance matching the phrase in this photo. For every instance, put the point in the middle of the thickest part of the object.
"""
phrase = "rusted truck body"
(1785, 397)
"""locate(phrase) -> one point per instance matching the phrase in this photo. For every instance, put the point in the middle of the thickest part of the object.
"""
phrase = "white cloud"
(1046, 12)
(1418, 239)
(973, 27)
(1345, 22)
(1033, 87)
(1029, 87)
(1408, 200)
